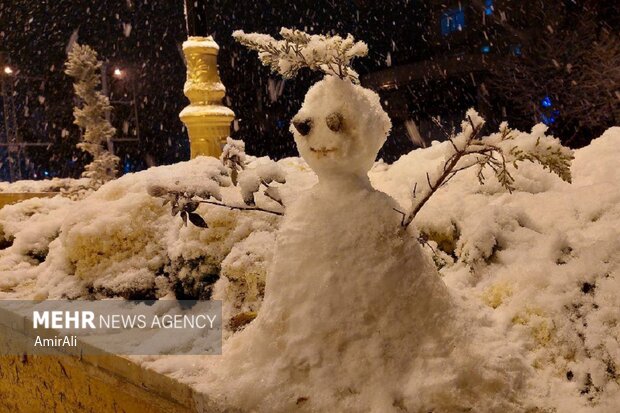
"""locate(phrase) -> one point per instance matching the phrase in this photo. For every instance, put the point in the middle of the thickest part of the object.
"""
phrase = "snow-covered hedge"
(120, 241)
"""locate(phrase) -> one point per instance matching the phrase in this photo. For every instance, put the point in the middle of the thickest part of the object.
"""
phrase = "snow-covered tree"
(83, 66)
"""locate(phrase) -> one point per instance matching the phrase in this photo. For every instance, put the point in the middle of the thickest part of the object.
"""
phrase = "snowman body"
(341, 253)
(355, 317)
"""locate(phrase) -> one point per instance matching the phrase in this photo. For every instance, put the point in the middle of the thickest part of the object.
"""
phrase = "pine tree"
(83, 66)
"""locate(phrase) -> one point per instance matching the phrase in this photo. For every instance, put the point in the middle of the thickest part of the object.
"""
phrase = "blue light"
(46, 173)
(516, 49)
(488, 7)
(452, 20)
(548, 120)
(546, 102)
(485, 49)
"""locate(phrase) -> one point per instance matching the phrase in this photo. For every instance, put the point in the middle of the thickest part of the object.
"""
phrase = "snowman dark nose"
(303, 126)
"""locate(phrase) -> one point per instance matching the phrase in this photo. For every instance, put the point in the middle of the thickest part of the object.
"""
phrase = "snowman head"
(340, 127)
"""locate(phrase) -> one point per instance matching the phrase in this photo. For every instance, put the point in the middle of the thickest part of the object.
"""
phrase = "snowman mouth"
(323, 151)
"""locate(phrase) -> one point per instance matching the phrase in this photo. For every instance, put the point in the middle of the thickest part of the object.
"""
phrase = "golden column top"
(206, 119)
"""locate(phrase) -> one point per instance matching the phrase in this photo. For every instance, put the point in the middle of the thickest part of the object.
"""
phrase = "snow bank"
(543, 259)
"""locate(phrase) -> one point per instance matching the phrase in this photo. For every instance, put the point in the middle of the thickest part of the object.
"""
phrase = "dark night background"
(427, 59)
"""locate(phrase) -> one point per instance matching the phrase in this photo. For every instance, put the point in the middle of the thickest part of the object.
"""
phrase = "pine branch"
(297, 49)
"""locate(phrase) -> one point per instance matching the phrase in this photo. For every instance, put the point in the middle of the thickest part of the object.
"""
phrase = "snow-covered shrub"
(543, 259)
(27, 229)
(120, 241)
(83, 66)
(245, 268)
(185, 199)
(45, 185)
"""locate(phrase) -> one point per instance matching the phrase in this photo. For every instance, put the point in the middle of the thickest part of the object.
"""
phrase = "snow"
(249, 182)
(270, 172)
(44, 185)
(194, 42)
(538, 268)
(120, 233)
(208, 110)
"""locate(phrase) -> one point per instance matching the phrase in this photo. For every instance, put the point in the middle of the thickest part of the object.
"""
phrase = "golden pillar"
(206, 119)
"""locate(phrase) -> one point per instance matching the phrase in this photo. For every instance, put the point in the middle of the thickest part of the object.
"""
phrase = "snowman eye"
(303, 126)
(334, 121)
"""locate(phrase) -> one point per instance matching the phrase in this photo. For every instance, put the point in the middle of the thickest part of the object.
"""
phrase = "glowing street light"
(118, 72)
(8, 70)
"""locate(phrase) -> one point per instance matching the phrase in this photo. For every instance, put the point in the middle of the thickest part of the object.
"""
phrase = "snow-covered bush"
(83, 66)
(542, 259)
(120, 241)
(27, 229)
(62, 185)
(244, 272)
(186, 199)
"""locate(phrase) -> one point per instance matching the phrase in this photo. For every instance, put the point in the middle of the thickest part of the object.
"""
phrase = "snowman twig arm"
(448, 171)
(185, 203)
(243, 208)
(496, 151)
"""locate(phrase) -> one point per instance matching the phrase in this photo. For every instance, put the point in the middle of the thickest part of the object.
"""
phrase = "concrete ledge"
(8, 198)
(100, 383)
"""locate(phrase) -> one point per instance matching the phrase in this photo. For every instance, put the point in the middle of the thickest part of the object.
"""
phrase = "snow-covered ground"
(540, 265)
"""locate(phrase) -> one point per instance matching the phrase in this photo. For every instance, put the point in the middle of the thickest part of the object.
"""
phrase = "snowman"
(355, 316)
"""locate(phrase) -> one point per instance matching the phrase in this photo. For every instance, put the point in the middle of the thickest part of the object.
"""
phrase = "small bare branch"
(493, 152)
(242, 208)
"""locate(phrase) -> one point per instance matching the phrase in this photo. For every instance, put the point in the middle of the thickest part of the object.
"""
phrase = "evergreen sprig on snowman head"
(331, 55)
